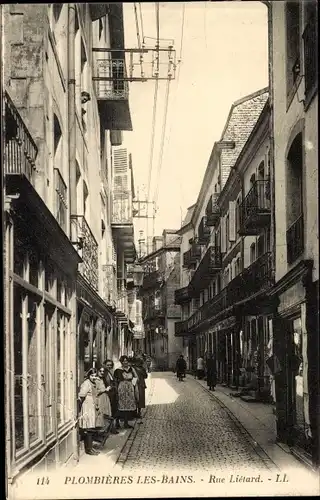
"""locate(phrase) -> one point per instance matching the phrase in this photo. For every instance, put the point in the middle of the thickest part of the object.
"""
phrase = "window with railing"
(310, 46)
(293, 43)
(61, 199)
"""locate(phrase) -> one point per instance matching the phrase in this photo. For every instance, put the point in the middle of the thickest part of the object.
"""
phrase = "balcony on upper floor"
(154, 311)
(109, 285)
(181, 328)
(191, 256)
(122, 224)
(204, 231)
(20, 150)
(152, 280)
(208, 267)
(213, 211)
(183, 295)
(295, 240)
(255, 209)
(87, 248)
(253, 281)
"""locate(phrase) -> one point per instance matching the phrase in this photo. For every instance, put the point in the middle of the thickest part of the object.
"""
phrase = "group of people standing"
(108, 397)
(207, 369)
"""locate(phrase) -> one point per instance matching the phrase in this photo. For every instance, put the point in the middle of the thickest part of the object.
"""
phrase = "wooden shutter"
(121, 198)
(223, 235)
(232, 221)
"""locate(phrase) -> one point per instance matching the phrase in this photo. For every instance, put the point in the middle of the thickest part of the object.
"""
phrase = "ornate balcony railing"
(61, 199)
(122, 208)
(87, 247)
(152, 280)
(109, 287)
(310, 44)
(255, 209)
(213, 210)
(208, 267)
(204, 232)
(182, 295)
(181, 328)
(116, 88)
(253, 279)
(191, 256)
(295, 240)
(20, 149)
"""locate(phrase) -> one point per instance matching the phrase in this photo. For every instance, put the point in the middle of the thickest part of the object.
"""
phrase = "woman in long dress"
(112, 391)
(126, 379)
(103, 407)
(141, 385)
(87, 415)
(211, 373)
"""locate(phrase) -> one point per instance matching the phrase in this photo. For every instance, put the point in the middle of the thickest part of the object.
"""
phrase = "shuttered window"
(223, 235)
(232, 221)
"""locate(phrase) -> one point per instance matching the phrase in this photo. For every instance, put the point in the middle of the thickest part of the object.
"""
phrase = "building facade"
(159, 311)
(68, 218)
(293, 31)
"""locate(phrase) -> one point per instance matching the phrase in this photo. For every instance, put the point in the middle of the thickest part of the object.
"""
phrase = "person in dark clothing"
(112, 391)
(181, 367)
(211, 373)
(141, 385)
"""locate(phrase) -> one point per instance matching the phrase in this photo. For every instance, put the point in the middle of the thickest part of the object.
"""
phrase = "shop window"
(49, 370)
(19, 256)
(19, 380)
(293, 43)
(298, 375)
(59, 401)
(34, 264)
(33, 382)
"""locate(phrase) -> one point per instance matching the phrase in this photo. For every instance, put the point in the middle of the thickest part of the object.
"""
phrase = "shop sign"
(291, 297)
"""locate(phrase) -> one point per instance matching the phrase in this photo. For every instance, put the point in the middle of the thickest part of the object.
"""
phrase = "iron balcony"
(213, 211)
(295, 240)
(152, 280)
(255, 209)
(20, 149)
(254, 279)
(204, 232)
(87, 247)
(183, 295)
(181, 328)
(209, 266)
(191, 256)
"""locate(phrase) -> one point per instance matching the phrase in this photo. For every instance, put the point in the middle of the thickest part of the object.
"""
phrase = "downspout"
(73, 185)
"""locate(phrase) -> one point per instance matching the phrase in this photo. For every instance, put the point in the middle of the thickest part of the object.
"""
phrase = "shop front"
(296, 373)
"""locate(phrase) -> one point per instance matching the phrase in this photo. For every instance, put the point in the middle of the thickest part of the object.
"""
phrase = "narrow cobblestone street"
(186, 427)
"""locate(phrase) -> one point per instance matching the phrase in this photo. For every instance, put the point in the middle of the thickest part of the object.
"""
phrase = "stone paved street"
(186, 427)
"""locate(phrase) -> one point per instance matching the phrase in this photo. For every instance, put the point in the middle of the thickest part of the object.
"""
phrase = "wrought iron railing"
(61, 199)
(210, 264)
(192, 255)
(182, 295)
(88, 249)
(213, 210)
(181, 327)
(310, 44)
(204, 232)
(253, 279)
(122, 208)
(295, 240)
(257, 201)
(20, 149)
(116, 88)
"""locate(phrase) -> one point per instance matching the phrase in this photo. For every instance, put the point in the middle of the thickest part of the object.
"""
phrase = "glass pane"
(59, 372)
(32, 367)
(18, 380)
(67, 413)
(49, 390)
(19, 256)
(49, 278)
(34, 268)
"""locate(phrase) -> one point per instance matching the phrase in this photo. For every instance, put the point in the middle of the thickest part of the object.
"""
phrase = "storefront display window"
(298, 365)
(19, 381)
(49, 368)
(33, 382)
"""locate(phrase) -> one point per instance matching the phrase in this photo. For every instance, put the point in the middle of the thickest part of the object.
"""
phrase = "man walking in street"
(181, 367)
(200, 368)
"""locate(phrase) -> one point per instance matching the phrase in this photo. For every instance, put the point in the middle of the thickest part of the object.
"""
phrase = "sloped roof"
(188, 216)
(242, 118)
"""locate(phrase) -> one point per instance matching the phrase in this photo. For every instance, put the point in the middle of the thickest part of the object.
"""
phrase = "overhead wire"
(141, 22)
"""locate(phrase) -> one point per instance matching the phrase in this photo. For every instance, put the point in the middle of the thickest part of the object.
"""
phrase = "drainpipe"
(72, 181)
